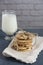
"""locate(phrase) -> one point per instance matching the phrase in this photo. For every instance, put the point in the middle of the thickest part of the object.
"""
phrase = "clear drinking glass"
(9, 22)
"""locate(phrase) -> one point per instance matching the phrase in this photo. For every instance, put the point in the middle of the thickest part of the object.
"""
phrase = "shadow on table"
(14, 60)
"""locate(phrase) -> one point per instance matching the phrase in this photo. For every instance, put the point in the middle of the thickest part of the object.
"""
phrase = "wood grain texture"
(29, 12)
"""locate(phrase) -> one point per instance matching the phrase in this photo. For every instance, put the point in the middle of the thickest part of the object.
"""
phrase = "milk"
(9, 23)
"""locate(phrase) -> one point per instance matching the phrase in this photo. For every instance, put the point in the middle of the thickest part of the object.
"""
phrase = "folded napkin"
(27, 57)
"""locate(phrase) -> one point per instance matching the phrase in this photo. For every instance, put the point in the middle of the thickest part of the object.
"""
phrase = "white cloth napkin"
(27, 57)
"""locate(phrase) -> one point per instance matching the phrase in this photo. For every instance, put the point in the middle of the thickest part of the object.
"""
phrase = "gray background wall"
(29, 12)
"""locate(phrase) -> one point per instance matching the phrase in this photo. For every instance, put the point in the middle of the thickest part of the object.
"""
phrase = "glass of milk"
(9, 22)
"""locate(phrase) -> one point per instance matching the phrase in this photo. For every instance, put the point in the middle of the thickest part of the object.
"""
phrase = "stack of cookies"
(23, 41)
